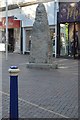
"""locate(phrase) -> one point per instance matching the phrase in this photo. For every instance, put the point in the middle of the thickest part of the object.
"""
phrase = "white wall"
(10, 13)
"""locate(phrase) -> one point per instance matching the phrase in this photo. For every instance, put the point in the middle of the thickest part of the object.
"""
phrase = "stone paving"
(43, 93)
(0, 85)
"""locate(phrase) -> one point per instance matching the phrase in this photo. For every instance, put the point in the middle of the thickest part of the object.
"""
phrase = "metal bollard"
(13, 70)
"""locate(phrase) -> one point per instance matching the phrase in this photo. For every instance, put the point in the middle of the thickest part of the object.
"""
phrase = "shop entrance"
(69, 39)
(11, 40)
(28, 40)
(69, 29)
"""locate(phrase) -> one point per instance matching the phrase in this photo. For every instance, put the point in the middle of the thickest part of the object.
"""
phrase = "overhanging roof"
(23, 4)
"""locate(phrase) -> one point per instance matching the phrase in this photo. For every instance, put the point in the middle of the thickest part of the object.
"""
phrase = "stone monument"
(41, 50)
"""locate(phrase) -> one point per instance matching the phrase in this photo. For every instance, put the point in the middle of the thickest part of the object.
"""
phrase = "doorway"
(28, 40)
(64, 39)
(74, 39)
(11, 40)
(69, 40)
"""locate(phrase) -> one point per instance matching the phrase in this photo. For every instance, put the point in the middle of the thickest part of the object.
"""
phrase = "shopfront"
(13, 33)
(69, 30)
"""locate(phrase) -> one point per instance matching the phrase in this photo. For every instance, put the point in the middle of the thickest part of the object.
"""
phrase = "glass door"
(63, 39)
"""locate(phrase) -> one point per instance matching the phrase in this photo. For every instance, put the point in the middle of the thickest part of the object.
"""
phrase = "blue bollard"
(14, 70)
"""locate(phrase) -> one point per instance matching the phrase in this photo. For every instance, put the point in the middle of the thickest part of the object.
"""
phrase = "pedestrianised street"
(43, 93)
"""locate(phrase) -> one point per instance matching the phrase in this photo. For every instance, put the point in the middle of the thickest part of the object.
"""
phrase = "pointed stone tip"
(41, 5)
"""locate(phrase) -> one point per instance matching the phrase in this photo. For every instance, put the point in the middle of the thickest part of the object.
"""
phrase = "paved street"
(42, 93)
(0, 85)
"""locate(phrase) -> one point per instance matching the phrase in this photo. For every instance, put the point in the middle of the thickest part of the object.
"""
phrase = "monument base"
(42, 65)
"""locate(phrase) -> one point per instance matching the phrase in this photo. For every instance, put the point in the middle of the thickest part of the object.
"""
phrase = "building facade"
(24, 16)
(69, 21)
(14, 30)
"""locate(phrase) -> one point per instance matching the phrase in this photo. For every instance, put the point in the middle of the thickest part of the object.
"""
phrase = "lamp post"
(6, 30)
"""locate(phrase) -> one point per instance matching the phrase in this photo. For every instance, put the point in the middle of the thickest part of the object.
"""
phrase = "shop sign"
(69, 12)
(11, 23)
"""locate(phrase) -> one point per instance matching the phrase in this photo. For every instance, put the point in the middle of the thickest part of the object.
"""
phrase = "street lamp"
(6, 30)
